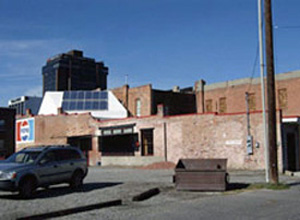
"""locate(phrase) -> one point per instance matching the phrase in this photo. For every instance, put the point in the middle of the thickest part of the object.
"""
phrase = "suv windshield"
(24, 157)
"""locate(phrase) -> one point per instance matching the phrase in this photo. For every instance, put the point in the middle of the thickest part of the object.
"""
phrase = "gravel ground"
(106, 184)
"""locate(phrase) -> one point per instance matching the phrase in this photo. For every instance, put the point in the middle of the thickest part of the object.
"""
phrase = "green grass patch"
(278, 186)
(239, 188)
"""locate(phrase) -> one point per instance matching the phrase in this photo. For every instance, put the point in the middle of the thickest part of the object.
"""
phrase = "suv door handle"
(72, 163)
(55, 166)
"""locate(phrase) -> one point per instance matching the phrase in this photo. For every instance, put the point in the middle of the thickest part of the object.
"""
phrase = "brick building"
(21, 104)
(7, 131)
(229, 97)
(208, 121)
(160, 138)
(143, 100)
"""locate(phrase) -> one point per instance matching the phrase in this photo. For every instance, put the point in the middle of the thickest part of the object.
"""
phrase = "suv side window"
(67, 154)
(48, 158)
(74, 154)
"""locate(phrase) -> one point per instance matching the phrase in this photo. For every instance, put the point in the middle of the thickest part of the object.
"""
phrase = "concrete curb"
(146, 195)
(75, 210)
(292, 173)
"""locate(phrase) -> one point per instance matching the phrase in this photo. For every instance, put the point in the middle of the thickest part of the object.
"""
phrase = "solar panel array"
(85, 100)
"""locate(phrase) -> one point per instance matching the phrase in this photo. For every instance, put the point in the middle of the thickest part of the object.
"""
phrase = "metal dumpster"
(201, 174)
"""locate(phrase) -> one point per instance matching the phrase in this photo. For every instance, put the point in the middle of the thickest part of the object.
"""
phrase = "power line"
(254, 67)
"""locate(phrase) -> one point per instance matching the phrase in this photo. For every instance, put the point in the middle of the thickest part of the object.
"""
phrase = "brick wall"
(55, 129)
(184, 136)
(234, 94)
(218, 136)
(175, 102)
(129, 96)
(205, 136)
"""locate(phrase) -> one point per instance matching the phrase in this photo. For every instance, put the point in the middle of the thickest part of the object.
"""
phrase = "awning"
(290, 120)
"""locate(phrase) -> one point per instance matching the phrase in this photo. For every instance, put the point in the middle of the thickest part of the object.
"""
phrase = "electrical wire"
(254, 67)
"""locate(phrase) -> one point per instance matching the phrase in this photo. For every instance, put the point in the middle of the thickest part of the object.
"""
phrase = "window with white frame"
(138, 106)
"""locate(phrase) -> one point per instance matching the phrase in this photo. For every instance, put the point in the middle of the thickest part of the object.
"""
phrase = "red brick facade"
(231, 95)
(174, 137)
(175, 102)
(176, 134)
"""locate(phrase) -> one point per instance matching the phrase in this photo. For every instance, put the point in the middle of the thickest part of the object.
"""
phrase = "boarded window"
(223, 106)
(282, 98)
(252, 102)
(208, 105)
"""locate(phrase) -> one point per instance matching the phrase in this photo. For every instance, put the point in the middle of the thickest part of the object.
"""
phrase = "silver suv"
(43, 166)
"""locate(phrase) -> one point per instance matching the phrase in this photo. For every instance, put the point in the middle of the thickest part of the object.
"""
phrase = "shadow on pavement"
(61, 190)
(236, 186)
(294, 184)
(74, 210)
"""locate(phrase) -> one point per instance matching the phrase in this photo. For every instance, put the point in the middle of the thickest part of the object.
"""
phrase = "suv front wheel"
(27, 188)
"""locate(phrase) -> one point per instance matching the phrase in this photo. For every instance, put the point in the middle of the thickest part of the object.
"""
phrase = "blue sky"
(162, 42)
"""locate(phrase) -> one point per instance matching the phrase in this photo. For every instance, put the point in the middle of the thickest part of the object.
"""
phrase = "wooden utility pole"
(272, 137)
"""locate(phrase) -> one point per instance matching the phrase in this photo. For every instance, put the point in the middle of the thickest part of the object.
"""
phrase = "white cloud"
(16, 48)
(35, 91)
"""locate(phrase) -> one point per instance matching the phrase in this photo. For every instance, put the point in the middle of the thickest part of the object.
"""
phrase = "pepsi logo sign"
(25, 130)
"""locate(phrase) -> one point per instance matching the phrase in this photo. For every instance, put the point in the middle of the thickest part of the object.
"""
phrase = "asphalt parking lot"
(107, 184)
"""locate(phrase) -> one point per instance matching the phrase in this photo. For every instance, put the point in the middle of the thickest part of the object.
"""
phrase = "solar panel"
(66, 95)
(95, 105)
(103, 95)
(73, 95)
(88, 95)
(65, 105)
(103, 105)
(72, 105)
(96, 95)
(85, 100)
(80, 95)
(80, 105)
(88, 105)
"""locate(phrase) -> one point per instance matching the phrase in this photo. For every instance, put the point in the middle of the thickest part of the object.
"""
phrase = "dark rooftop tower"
(72, 71)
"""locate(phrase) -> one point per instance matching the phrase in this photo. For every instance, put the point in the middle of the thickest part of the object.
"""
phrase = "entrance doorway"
(291, 151)
(147, 142)
(291, 146)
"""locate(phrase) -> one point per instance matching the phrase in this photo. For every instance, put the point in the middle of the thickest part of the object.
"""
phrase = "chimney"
(125, 95)
(199, 91)
(28, 112)
(60, 111)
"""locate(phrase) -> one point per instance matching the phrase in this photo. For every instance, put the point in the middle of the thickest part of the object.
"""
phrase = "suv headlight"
(8, 175)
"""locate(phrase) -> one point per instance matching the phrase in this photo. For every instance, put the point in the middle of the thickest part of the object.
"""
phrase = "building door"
(291, 152)
(147, 142)
(291, 146)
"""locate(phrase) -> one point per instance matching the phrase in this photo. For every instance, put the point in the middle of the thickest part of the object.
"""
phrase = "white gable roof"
(53, 100)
